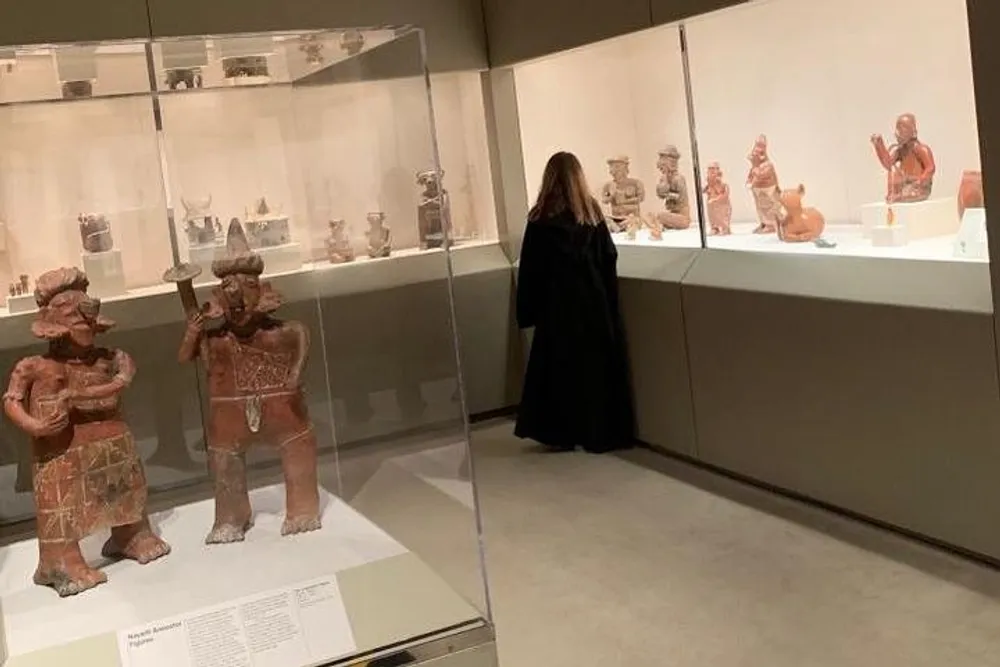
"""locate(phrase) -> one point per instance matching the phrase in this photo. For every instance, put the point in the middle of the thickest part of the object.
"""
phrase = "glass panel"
(620, 106)
(821, 82)
(310, 467)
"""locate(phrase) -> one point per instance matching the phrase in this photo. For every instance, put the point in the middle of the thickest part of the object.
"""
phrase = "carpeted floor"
(600, 560)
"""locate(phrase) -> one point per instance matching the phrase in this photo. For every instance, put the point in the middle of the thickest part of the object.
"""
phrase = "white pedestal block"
(886, 236)
(106, 273)
(922, 219)
(22, 303)
(203, 256)
(281, 258)
(972, 241)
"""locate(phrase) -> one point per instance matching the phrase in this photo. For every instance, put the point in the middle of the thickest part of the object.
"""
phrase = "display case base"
(22, 303)
(283, 258)
(357, 565)
(106, 273)
(890, 236)
(972, 241)
(923, 219)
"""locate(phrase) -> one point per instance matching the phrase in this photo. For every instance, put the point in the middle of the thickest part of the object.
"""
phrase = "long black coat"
(577, 390)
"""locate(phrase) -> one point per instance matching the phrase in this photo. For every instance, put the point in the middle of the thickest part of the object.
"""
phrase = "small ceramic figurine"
(379, 236)
(87, 472)
(763, 183)
(623, 193)
(23, 283)
(909, 163)
(254, 363)
(970, 191)
(352, 42)
(672, 189)
(433, 209)
(338, 244)
(95, 232)
(265, 226)
(312, 47)
(718, 206)
(799, 224)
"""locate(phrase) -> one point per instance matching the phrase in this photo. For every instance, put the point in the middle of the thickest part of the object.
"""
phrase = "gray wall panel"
(456, 38)
(887, 411)
(667, 11)
(73, 20)
(654, 325)
(523, 29)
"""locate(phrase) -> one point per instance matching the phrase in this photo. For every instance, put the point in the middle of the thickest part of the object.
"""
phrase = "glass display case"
(235, 429)
(814, 132)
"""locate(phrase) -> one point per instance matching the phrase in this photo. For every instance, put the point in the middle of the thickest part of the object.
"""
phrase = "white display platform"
(193, 577)
(972, 241)
(924, 219)
(281, 258)
(22, 303)
(672, 238)
(105, 271)
(890, 236)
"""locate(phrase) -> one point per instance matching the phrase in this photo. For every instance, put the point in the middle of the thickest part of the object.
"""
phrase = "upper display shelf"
(799, 126)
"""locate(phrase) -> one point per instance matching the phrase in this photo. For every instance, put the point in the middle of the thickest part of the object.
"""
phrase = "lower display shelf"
(291, 601)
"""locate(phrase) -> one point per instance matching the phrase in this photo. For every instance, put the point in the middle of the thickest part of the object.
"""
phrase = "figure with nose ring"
(87, 474)
(254, 364)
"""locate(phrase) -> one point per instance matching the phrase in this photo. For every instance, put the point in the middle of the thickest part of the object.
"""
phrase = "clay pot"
(970, 191)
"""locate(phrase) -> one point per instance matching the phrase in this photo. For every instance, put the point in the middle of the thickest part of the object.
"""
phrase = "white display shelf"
(672, 238)
(195, 577)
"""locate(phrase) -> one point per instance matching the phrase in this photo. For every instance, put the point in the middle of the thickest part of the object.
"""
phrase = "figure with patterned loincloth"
(87, 473)
(254, 363)
(763, 183)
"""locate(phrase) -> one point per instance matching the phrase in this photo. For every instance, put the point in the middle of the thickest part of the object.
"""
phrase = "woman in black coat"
(576, 391)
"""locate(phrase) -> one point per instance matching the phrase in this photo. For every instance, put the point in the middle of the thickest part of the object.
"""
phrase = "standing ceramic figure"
(433, 210)
(909, 163)
(254, 363)
(718, 206)
(623, 194)
(672, 189)
(763, 183)
(87, 473)
(379, 236)
(338, 244)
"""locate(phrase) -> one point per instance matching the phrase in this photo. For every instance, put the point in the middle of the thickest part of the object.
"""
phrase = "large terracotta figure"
(623, 194)
(799, 224)
(254, 363)
(970, 191)
(433, 210)
(672, 189)
(909, 163)
(763, 183)
(87, 473)
(718, 206)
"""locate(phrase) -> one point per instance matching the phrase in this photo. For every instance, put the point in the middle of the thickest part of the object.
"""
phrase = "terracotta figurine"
(95, 233)
(352, 41)
(338, 244)
(433, 209)
(312, 47)
(909, 163)
(763, 183)
(799, 224)
(87, 473)
(379, 236)
(718, 206)
(623, 193)
(254, 363)
(970, 191)
(672, 189)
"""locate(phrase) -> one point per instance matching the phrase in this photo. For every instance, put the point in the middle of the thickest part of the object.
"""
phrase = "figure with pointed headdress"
(87, 473)
(762, 180)
(254, 363)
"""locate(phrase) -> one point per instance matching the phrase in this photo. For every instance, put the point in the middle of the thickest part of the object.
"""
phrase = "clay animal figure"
(718, 206)
(87, 473)
(799, 224)
(970, 191)
(909, 163)
(763, 183)
(623, 194)
(672, 189)
(254, 363)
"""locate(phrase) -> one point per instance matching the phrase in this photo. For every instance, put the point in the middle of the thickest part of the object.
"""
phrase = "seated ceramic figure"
(379, 236)
(672, 189)
(622, 194)
(799, 224)
(909, 163)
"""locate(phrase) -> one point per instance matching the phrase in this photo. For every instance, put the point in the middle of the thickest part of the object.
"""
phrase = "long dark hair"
(564, 188)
